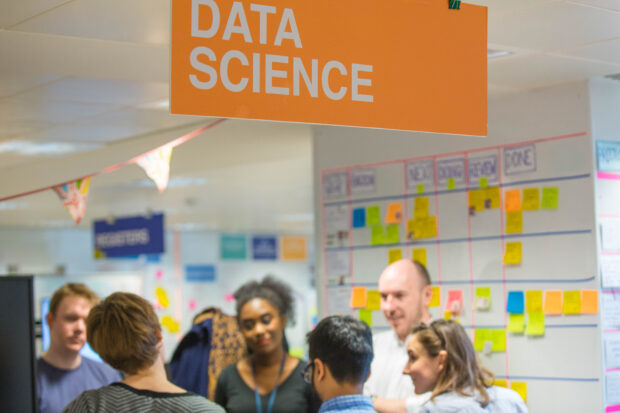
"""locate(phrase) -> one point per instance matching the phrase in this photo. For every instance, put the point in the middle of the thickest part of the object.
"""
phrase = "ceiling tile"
(608, 51)
(604, 4)
(15, 11)
(13, 83)
(48, 111)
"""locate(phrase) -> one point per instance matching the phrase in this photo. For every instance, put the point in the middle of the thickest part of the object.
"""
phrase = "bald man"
(405, 294)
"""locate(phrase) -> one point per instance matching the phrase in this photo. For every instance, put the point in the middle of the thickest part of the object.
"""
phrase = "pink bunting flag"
(156, 164)
(73, 196)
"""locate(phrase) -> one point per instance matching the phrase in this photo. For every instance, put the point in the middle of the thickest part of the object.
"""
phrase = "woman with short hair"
(442, 360)
(125, 332)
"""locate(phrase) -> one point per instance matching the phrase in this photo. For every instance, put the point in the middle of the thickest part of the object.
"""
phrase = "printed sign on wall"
(264, 248)
(294, 248)
(129, 236)
(233, 247)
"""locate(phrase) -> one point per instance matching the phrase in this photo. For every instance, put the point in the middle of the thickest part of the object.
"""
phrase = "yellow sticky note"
(481, 335)
(450, 184)
(419, 255)
(373, 300)
(162, 297)
(297, 352)
(531, 199)
(394, 255)
(420, 188)
(376, 235)
(425, 227)
(553, 302)
(521, 388)
(366, 316)
(512, 200)
(170, 324)
(514, 222)
(535, 324)
(533, 301)
(492, 200)
(513, 253)
(421, 207)
(484, 182)
(358, 297)
(516, 323)
(447, 315)
(436, 298)
(589, 302)
(572, 302)
(500, 383)
(483, 298)
(392, 234)
(476, 199)
(550, 198)
(498, 336)
(394, 213)
(373, 215)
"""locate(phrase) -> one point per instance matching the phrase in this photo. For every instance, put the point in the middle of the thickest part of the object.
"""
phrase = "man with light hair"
(405, 292)
(62, 374)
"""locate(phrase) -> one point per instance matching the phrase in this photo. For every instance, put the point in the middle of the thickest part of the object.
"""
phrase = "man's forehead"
(74, 303)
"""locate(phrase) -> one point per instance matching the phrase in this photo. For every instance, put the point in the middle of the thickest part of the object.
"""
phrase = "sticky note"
(420, 188)
(394, 213)
(392, 234)
(535, 324)
(373, 300)
(498, 337)
(512, 200)
(162, 297)
(450, 184)
(424, 227)
(572, 302)
(394, 255)
(533, 301)
(366, 316)
(515, 304)
(516, 323)
(481, 335)
(436, 298)
(492, 200)
(531, 199)
(376, 235)
(553, 302)
(514, 222)
(359, 217)
(447, 315)
(512, 256)
(589, 302)
(500, 383)
(373, 215)
(421, 206)
(476, 199)
(229, 297)
(455, 301)
(191, 304)
(521, 388)
(170, 324)
(358, 297)
(484, 182)
(550, 198)
(483, 298)
(419, 255)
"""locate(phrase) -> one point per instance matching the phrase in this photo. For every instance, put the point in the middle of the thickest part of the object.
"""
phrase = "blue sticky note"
(359, 218)
(515, 303)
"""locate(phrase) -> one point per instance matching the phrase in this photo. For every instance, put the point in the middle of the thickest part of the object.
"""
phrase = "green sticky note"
(366, 316)
(535, 324)
(420, 188)
(481, 335)
(376, 235)
(483, 298)
(373, 215)
(392, 234)
(450, 183)
(498, 336)
(516, 323)
(484, 182)
(550, 197)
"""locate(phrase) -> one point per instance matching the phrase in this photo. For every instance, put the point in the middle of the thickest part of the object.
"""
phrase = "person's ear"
(367, 376)
(319, 370)
(427, 294)
(159, 336)
(441, 359)
(49, 318)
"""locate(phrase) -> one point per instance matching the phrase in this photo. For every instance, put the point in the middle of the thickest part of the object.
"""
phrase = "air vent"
(615, 76)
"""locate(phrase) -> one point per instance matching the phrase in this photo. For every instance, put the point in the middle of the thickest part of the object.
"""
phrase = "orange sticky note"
(572, 302)
(419, 255)
(358, 297)
(394, 255)
(521, 388)
(512, 199)
(436, 299)
(394, 213)
(553, 302)
(589, 302)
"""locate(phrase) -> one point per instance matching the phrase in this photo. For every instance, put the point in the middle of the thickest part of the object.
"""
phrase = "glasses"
(307, 373)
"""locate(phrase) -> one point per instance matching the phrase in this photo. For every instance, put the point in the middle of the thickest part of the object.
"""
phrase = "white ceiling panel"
(554, 26)
(137, 21)
(604, 51)
(543, 70)
(13, 83)
(497, 7)
(15, 11)
(604, 4)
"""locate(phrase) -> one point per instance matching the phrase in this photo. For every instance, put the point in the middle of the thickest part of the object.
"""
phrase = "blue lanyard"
(272, 398)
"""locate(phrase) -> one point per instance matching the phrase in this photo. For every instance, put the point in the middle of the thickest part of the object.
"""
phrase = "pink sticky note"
(159, 274)
(192, 304)
(455, 301)
(229, 298)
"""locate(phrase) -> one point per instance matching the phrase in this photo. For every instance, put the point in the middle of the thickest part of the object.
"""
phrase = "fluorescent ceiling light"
(45, 148)
(174, 182)
(158, 104)
(301, 217)
(493, 53)
(9, 205)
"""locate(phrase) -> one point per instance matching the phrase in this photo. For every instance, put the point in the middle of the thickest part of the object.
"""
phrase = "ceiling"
(91, 76)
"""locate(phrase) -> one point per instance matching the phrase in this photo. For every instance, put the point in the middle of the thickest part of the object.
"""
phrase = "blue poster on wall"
(200, 273)
(129, 236)
(264, 248)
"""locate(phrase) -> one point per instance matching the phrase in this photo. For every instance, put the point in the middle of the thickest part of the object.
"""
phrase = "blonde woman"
(442, 360)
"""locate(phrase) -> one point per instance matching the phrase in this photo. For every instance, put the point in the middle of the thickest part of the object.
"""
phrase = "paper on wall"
(610, 310)
(612, 351)
(610, 271)
(610, 235)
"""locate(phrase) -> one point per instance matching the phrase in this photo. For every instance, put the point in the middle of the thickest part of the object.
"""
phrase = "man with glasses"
(340, 350)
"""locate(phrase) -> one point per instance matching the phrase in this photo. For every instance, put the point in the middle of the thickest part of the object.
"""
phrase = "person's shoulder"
(507, 398)
(108, 373)
(228, 373)
(382, 337)
(203, 405)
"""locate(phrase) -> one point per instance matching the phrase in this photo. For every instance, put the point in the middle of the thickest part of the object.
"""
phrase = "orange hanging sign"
(415, 65)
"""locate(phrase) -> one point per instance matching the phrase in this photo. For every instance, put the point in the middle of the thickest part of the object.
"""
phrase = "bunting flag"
(156, 164)
(73, 195)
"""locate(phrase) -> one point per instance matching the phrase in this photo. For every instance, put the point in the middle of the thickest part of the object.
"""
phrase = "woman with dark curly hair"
(268, 380)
